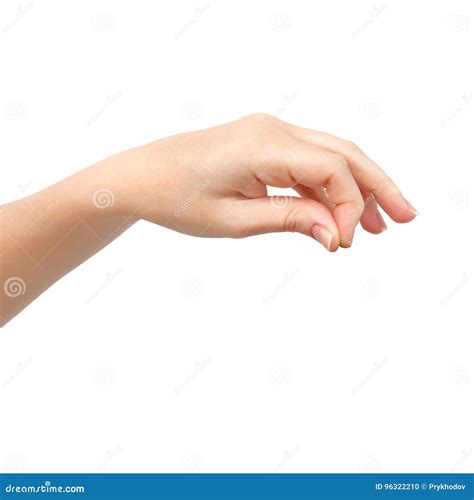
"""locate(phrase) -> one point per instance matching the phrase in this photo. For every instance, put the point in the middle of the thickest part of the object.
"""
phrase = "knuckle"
(351, 147)
(262, 134)
(261, 122)
(261, 117)
(376, 188)
(340, 162)
(264, 153)
(379, 186)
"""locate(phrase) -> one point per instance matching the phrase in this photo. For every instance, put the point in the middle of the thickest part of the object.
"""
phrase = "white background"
(171, 353)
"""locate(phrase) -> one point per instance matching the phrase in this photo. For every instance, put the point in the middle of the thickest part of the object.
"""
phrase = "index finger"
(368, 175)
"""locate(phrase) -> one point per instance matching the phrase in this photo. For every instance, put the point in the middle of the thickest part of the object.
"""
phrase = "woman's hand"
(214, 183)
(207, 183)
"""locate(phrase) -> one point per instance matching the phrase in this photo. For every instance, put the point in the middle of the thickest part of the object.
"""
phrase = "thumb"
(271, 214)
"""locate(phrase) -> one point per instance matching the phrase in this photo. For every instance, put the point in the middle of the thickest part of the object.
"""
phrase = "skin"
(209, 183)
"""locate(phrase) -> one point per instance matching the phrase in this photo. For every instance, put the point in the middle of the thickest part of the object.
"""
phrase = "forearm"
(46, 235)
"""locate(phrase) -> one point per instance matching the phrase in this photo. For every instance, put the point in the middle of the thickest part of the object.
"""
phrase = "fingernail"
(381, 222)
(322, 235)
(410, 207)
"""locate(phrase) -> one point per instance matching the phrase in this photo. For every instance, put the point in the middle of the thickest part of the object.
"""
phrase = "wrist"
(139, 183)
(107, 188)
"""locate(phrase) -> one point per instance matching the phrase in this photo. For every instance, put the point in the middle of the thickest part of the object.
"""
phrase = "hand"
(207, 183)
(214, 183)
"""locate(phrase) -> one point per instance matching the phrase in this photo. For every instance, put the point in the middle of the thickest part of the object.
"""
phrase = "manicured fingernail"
(381, 222)
(322, 235)
(412, 209)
